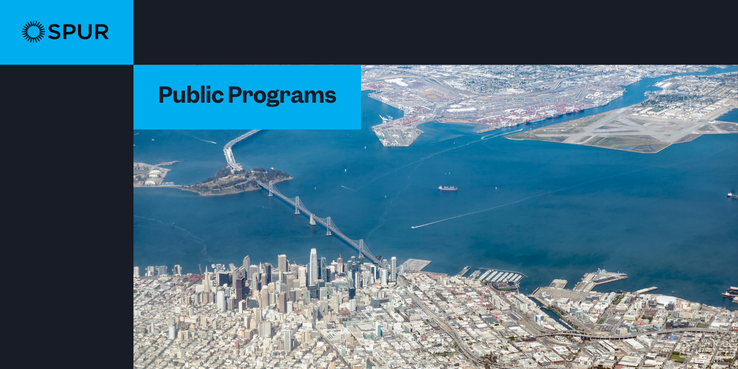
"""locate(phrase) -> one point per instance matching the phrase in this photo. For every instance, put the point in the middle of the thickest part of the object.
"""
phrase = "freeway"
(462, 346)
(628, 336)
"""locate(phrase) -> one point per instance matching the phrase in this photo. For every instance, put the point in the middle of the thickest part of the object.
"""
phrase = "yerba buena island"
(522, 216)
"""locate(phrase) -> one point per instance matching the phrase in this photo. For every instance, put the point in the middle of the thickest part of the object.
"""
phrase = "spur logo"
(34, 31)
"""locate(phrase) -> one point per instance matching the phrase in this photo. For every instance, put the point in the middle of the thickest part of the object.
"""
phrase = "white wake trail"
(528, 198)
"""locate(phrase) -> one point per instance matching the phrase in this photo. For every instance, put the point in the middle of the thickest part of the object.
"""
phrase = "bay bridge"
(331, 228)
(229, 153)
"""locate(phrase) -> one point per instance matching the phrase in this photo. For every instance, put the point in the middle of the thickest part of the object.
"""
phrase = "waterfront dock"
(414, 265)
(463, 271)
(590, 280)
(645, 290)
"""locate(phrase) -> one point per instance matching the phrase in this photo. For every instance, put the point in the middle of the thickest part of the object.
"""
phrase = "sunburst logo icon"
(33, 31)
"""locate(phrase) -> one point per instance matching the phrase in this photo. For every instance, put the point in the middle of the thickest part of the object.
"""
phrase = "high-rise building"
(290, 281)
(355, 268)
(177, 270)
(206, 281)
(301, 276)
(264, 298)
(136, 273)
(314, 291)
(292, 294)
(268, 272)
(287, 336)
(316, 315)
(239, 289)
(383, 273)
(220, 300)
(313, 275)
(282, 263)
(282, 302)
(339, 268)
(222, 278)
(254, 283)
(246, 264)
(265, 329)
(393, 271)
(253, 270)
(323, 269)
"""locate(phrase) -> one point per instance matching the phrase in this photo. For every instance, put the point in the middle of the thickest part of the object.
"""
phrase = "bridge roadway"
(327, 222)
(229, 153)
(625, 337)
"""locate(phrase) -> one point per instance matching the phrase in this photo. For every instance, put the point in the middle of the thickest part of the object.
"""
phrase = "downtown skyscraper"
(313, 272)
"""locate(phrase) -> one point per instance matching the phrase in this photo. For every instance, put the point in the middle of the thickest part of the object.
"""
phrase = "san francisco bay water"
(547, 210)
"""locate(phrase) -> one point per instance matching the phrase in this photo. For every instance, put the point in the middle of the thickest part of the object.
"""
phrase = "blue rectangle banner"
(66, 32)
(247, 97)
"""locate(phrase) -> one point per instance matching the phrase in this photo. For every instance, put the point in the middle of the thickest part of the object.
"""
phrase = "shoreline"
(206, 194)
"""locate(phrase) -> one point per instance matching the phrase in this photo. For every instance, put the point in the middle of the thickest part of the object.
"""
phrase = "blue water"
(730, 116)
(559, 210)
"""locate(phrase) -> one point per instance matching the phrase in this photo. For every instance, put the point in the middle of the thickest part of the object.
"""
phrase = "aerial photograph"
(484, 216)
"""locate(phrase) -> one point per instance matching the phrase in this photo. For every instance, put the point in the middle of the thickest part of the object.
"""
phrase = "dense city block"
(357, 314)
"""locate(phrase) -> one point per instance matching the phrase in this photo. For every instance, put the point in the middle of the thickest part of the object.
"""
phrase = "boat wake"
(203, 252)
(200, 139)
(347, 188)
(500, 134)
(527, 198)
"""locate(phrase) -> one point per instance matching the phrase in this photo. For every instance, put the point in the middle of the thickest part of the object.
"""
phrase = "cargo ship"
(730, 194)
(447, 188)
(732, 292)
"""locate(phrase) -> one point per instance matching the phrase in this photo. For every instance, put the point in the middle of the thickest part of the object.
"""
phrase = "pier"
(229, 153)
(414, 265)
(590, 280)
(645, 290)
(463, 271)
(327, 222)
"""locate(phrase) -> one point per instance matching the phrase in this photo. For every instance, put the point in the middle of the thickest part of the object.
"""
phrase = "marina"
(494, 275)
